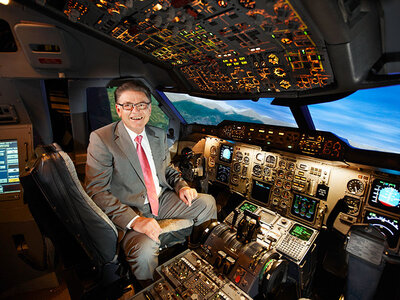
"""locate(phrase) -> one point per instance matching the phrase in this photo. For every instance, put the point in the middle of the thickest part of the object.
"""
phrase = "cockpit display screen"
(223, 173)
(225, 153)
(260, 191)
(9, 167)
(304, 207)
(248, 206)
(385, 195)
(388, 226)
(301, 232)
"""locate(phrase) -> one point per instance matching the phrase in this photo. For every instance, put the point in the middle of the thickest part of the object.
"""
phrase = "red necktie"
(148, 177)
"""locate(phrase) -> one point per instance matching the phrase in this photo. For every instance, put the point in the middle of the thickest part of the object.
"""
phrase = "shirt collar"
(133, 135)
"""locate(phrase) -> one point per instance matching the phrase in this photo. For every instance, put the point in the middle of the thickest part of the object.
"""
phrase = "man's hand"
(187, 195)
(148, 226)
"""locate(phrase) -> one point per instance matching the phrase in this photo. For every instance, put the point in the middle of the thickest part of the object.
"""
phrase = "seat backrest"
(62, 208)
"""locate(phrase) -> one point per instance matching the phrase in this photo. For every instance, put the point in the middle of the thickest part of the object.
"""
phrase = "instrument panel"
(305, 189)
(317, 143)
(240, 47)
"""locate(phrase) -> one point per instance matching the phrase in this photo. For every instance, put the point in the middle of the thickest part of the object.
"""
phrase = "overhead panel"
(239, 47)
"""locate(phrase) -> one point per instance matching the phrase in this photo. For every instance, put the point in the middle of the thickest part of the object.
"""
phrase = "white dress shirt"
(146, 147)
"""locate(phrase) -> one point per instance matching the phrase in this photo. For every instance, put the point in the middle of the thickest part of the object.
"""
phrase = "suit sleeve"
(173, 177)
(99, 170)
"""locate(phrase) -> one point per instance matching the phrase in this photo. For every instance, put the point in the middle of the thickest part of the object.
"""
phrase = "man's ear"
(118, 109)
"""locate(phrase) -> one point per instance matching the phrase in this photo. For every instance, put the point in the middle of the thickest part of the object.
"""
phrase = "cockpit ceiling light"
(244, 48)
(5, 2)
(157, 7)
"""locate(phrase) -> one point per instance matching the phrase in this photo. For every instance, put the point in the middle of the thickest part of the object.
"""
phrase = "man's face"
(136, 119)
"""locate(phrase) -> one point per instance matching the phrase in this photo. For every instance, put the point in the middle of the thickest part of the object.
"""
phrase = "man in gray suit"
(118, 179)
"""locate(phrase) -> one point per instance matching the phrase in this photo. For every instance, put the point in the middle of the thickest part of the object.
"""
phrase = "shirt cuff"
(131, 221)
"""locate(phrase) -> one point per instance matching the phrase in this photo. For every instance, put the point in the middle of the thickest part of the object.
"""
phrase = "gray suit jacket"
(114, 177)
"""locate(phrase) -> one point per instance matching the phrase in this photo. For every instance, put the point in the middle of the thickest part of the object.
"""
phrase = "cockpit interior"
(286, 111)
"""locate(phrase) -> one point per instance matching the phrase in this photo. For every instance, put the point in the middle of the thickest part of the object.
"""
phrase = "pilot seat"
(85, 239)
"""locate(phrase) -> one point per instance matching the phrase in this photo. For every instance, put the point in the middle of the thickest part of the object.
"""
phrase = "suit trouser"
(142, 252)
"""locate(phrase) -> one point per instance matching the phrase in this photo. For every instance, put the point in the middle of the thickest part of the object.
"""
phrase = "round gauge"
(267, 171)
(277, 192)
(271, 160)
(281, 174)
(278, 183)
(235, 179)
(282, 164)
(259, 156)
(355, 186)
(213, 150)
(236, 167)
(289, 175)
(287, 185)
(291, 166)
(246, 159)
(211, 162)
(286, 194)
(257, 170)
(353, 205)
(239, 156)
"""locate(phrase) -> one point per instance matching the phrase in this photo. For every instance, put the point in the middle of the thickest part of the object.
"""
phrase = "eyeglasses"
(131, 106)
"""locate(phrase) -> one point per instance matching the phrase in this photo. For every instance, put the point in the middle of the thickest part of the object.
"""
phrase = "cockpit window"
(366, 118)
(212, 112)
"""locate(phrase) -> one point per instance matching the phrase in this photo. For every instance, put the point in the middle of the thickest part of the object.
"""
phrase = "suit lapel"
(123, 140)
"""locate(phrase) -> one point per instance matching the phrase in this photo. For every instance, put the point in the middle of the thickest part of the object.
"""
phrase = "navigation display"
(248, 206)
(260, 191)
(388, 226)
(304, 207)
(385, 195)
(225, 153)
(9, 167)
(223, 173)
(301, 232)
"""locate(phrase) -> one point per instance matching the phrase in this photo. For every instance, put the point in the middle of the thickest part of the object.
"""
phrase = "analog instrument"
(286, 194)
(239, 156)
(282, 164)
(289, 175)
(353, 205)
(291, 166)
(211, 162)
(277, 192)
(271, 160)
(257, 170)
(213, 150)
(236, 167)
(235, 179)
(259, 156)
(355, 186)
(267, 171)
(287, 185)
(281, 174)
